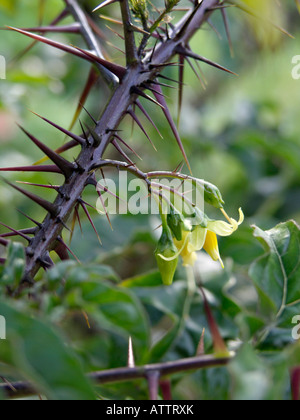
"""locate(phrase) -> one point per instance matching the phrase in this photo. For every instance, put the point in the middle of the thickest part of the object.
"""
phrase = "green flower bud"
(212, 195)
(175, 222)
(139, 8)
(167, 257)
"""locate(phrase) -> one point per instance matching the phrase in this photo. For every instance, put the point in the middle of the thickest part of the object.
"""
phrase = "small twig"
(130, 46)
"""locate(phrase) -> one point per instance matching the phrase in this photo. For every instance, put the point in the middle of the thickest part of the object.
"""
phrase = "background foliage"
(240, 133)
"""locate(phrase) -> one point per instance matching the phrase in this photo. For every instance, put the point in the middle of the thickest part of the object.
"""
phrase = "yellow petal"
(188, 255)
(212, 248)
(226, 229)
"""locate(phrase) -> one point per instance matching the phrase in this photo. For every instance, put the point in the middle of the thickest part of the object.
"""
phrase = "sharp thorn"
(173, 127)
(73, 28)
(97, 139)
(44, 168)
(169, 79)
(119, 71)
(135, 118)
(46, 262)
(148, 117)
(201, 348)
(66, 246)
(121, 151)
(126, 145)
(66, 167)
(73, 136)
(16, 232)
(187, 53)
(137, 91)
(61, 222)
(105, 210)
(131, 361)
(84, 134)
(90, 220)
(146, 86)
(49, 207)
(51, 187)
(29, 218)
(105, 3)
(89, 114)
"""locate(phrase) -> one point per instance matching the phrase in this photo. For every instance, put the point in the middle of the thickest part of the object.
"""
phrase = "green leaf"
(150, 279)
(256, 378)
(276, 275)
(112, 307)
(15, 264)
(40, 355)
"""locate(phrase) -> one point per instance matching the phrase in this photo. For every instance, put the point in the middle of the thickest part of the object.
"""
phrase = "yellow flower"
(189, 256)
(212, 248)
(206, 238)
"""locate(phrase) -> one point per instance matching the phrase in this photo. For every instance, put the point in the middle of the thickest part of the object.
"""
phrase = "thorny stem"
(23, 389)
(90, 39)
(122, 99)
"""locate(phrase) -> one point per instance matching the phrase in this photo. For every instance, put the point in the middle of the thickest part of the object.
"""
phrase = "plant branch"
(23, 389)
(90, 39)
(124, 95)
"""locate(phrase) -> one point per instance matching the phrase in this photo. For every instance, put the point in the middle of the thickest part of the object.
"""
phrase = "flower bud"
(139, 8)
(212, 195)
(167, 257)
(175, 222)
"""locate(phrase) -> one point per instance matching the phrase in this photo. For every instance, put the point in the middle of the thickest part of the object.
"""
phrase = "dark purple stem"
(122, 99)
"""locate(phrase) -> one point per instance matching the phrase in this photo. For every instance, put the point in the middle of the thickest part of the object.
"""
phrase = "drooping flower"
(206, 238)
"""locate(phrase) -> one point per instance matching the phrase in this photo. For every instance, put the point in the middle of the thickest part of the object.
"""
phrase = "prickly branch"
(128, 84)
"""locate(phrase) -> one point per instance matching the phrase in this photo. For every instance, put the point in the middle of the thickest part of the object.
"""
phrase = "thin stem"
(130, 46)
(173, 191)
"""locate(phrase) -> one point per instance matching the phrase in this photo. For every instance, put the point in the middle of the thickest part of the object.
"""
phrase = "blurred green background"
(241, 133)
